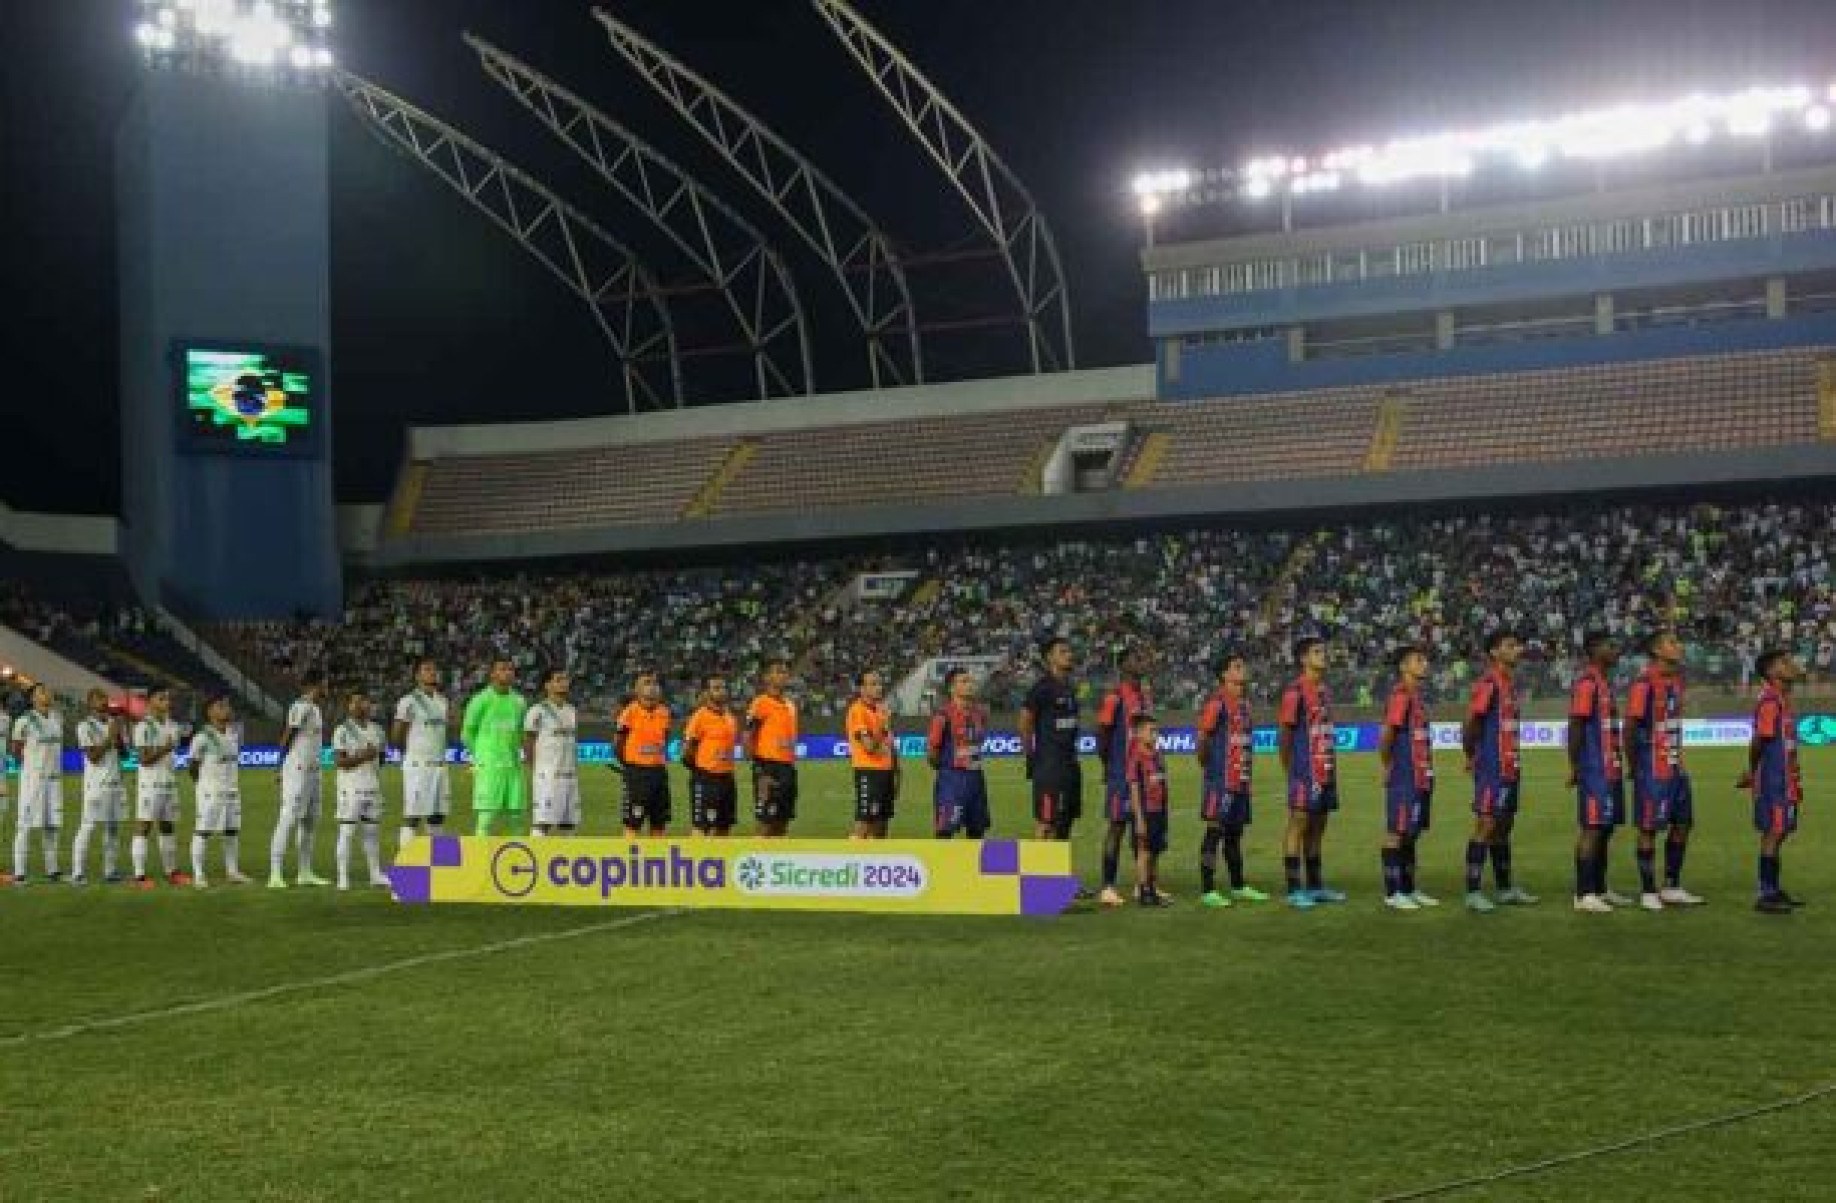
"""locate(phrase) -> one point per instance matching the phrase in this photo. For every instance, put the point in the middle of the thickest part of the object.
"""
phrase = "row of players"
(520, 752)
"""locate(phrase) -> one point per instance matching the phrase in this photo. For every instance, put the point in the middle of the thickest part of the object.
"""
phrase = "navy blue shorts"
(1493, 799)
(1407, 812)
(1223, 807)
(960, 803)
(1669, 802)
(1599, 804)
(1314, 800)
(1775, 816)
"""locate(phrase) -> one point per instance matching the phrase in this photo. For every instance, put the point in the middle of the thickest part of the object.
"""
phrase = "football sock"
(1392, 872)
(1475, 865)
(1316, 873)
(111, 849)
(79, 852)
(49, 839)
(232, 853)
(372, 848)
(168, 851)
(277, 846)
(1769, 875)
(1406, 867)
(1233, 855)
(137, 852)
(1674, 850)
(1602, 859)
(307, 832)
(198, 845)
(1501, 865)
(1291, 865)
(1647, 870)
(402, 838)
(344, 854)
(1208, 859)
(22, 843)
(1111, 865)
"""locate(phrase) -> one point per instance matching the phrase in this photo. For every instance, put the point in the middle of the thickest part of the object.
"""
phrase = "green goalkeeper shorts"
(498, 789)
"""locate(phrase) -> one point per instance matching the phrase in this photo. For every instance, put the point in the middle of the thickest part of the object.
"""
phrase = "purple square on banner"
(412, 884)
(1044, 897)
(448, 852)
(1000, 858)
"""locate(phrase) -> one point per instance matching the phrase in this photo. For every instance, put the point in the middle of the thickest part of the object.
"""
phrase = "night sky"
(438, 318)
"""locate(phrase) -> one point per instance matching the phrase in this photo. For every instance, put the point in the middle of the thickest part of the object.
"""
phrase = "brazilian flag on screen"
(247, 399)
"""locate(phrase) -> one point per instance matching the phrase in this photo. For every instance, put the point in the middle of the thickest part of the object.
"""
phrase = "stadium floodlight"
(285, 38)
(1598, 135)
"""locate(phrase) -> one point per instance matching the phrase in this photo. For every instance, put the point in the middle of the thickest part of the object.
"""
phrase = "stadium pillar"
(221, 189)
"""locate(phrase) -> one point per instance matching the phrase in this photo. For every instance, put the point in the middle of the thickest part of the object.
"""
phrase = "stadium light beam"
(278, 38)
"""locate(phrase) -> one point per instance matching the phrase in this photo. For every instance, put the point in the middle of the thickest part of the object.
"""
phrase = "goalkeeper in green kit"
(493, 736)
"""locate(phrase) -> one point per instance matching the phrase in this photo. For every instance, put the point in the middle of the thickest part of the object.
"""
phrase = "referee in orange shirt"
(771, 746)
(874, 752)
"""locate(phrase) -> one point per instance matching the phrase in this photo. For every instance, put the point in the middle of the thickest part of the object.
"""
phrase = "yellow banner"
(905, 877)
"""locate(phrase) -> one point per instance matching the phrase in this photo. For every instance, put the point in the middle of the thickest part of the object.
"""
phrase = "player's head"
(1135, 660)
(1779, 667)
(41, 697)
(159, 702)
(1410, 662)
(959, 685)
(1310, 653)
(1233, 669)
(1144, 727)
(1665, 648)
(872, 685)
(217, 711)
(555, 684)
(646, 686)
(1600, 648)
(427, 674)
(503, 674)
(776, 675)
(97, 700)
(716, 690)
(1057, 655)
(357, 705)
(312, 686)
(1504, 648)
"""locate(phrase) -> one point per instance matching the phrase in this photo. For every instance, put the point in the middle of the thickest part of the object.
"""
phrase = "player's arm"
(933, 741)
(197, 760)
(1637, 704)
(1474, 726)
(1580, 711)
(151, 754)
(347, 757)
(17, 744)
(1766, 726)
(1386, 744)
(749, 741)
(1209, 721)
(691, 741)
(1107, 717)
(398, 730)
(468, 728)
(1137, 803)
(1287, 720)
(292, 731)
(1029, 730)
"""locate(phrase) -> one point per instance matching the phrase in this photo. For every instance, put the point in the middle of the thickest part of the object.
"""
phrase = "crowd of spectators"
(1732, 578)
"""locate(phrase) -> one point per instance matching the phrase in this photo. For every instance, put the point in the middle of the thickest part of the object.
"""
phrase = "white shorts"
(218, 813)
(359, 806)
(156, 803)
(41, 804)
(557, 801)
(424, 791)
(301, 792)
(105, 805)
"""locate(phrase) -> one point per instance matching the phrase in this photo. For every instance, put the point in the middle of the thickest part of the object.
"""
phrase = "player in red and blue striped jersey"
(1405, 748)
(1116, 716)
(1309, 756)
(1146, 771)
(1773, 774)
(954, 749)
(1490, 741)
(1226, 755)
(1595, 773)
(1662, 797)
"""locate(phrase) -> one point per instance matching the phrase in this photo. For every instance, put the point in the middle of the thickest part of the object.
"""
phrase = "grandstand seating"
(559, 490)
(918, 460)
(1702, 403)
(1707, 403)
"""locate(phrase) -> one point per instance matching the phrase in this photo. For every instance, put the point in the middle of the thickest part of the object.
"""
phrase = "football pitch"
(238, 1044)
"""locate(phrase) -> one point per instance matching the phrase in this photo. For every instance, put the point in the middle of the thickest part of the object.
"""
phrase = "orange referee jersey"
(775, 720)
(714, 733)
(646, 735)
(869, 722)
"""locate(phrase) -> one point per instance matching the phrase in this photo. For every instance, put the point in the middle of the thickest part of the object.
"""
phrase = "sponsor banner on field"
(905, 877)
(1814, 731)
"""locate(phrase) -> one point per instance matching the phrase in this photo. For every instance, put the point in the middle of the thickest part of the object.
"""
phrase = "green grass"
(1343, 1054)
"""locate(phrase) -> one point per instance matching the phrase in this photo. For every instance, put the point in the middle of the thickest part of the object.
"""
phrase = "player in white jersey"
(38, 745)
(156, 742)
(302, 749)
(420, 732)
(551, 749)
(357, 750)
(103, 738)
(216, 762)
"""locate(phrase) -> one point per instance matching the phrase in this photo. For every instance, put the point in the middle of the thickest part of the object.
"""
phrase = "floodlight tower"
(222, 203)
